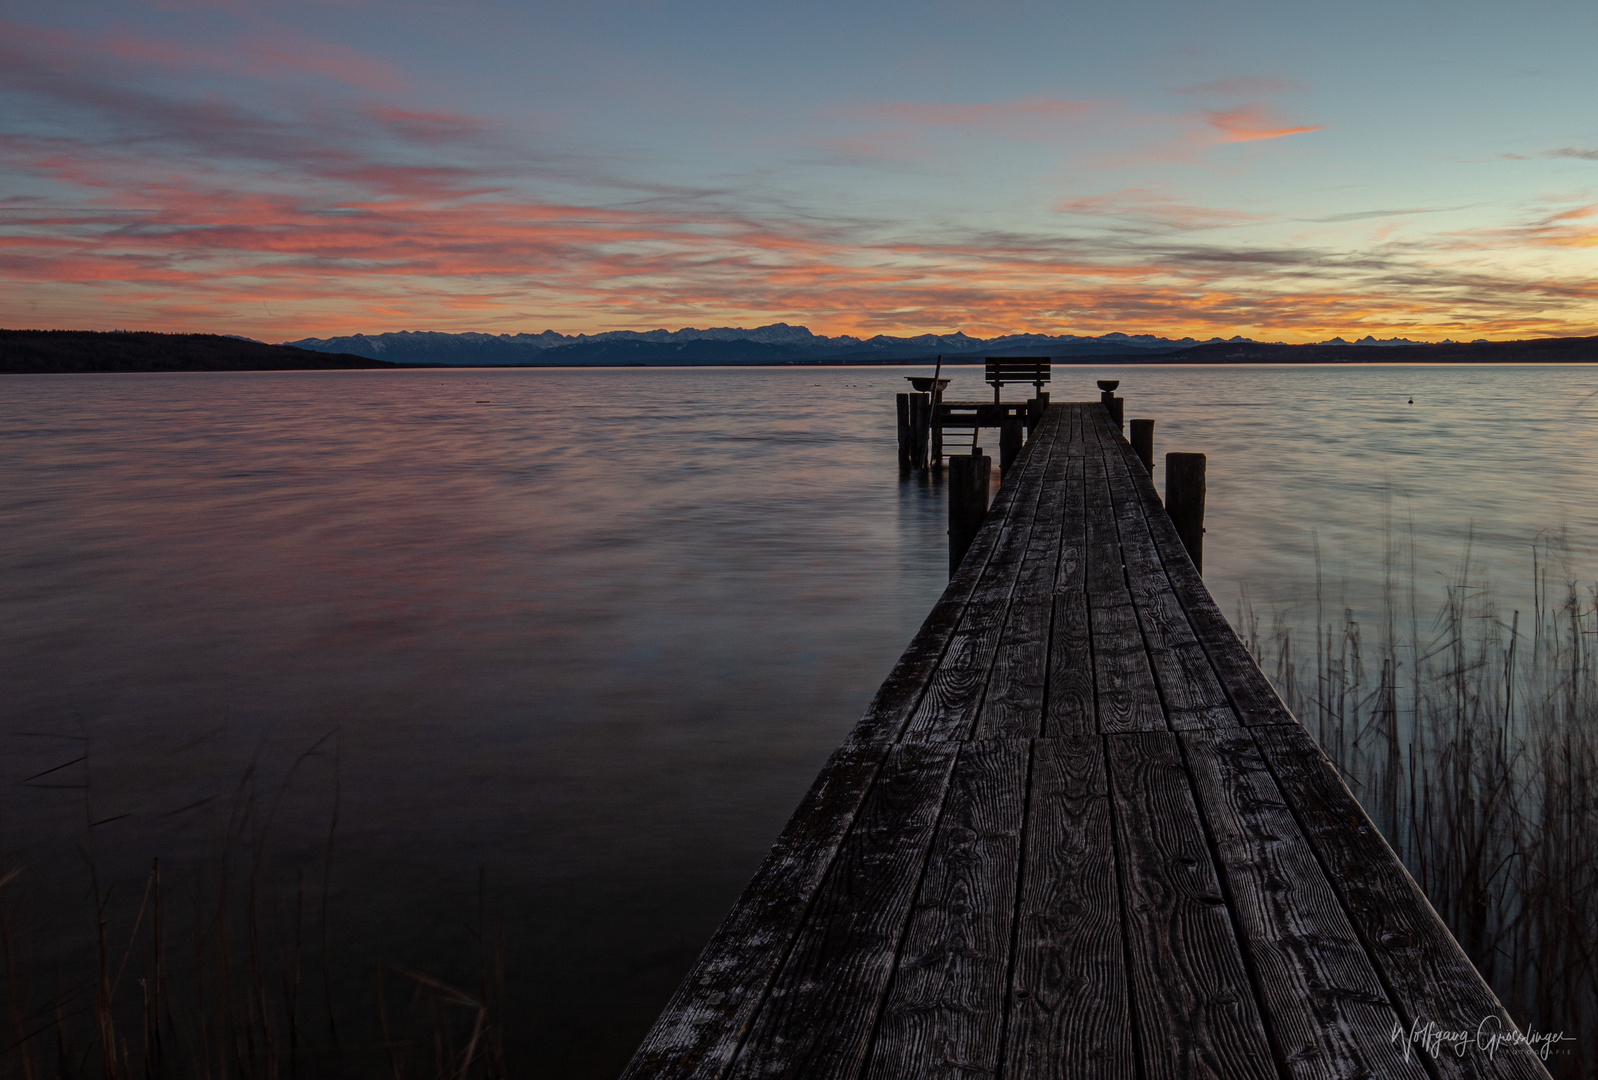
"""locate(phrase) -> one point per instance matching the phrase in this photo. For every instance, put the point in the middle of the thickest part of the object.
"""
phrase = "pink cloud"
(1252, 123)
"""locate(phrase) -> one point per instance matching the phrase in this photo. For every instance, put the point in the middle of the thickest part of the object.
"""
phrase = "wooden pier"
(1077, 835)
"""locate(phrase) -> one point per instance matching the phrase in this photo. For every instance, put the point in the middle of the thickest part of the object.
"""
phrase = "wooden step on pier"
(1077, 835)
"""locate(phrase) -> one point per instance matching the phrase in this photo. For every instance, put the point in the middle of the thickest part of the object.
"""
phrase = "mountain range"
(42, 351)
(774, 344)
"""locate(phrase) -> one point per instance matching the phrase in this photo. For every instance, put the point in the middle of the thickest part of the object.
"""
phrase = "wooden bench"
(1017, 369)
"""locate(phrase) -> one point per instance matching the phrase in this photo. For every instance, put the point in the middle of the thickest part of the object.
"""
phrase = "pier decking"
(1077, 835)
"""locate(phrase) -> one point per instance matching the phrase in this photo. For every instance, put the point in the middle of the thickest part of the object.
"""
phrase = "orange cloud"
(208, 215)
(1251, 123)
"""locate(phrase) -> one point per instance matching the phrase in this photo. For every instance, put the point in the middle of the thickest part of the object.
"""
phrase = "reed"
(127, 999)
(1471, 738)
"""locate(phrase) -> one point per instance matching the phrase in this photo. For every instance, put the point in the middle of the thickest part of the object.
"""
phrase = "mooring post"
(1009, 441)
(902, 402)
(937, 426)
(1184, 501)
(920, 425)
(968, 502)
(1143, 442)
(1113, 405)
(1035, 407)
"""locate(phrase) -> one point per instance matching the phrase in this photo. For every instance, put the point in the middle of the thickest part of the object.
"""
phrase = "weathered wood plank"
(1195, 1009)
(945, 1009)
(1069, 1011)
(703, 1023)
(1123, 681)
(1104, 575)
(817, 1019)
(1189, 689)
(1012, 706)
(954, 693)
(902, 690)
(1426, 973)
(1070, 710)
(1250, 693)
(1072, 574)
(1326, 1009)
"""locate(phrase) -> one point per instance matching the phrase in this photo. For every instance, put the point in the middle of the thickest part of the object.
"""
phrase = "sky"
(1283, 170)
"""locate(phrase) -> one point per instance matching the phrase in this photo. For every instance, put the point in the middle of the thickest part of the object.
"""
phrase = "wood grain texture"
(1195, 1008)
(1189, 688)
(902, 690)
(1427, 975)
(954, 693)
(1069, 1012)
(1123, 681)
(1247, 688)
(1012, 706)
(698, 1033)
(1072, 574)
(945, 1009)
(1326, 1009)
(817, 1019)
(1070, 710)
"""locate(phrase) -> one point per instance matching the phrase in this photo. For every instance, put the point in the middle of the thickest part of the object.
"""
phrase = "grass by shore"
(1470, 735)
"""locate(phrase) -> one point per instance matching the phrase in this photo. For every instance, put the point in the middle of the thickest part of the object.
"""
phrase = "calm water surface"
(590, 634)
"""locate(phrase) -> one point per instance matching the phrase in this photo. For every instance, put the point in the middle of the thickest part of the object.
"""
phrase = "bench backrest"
(1017, 369)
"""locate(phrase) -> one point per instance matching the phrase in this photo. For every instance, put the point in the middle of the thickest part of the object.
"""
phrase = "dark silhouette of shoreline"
(73, 351)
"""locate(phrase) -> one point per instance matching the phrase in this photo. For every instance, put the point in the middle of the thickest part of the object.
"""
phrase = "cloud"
(1367, 215)
(267, 51)
(173, 207)
(1153, 208)
(1252, 123)
(260, 55)
(1571, 152)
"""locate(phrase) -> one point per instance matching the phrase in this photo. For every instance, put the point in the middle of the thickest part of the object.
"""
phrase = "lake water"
(585, 636)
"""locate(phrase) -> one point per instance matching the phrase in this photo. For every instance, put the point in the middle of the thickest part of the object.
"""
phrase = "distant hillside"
(60, 351)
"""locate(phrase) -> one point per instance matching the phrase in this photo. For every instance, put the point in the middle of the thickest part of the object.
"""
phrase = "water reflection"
(595, 631)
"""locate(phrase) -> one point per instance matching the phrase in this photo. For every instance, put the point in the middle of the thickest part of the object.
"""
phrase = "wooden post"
(968, 502)
(1143, 442)
(902, 401)
(1035, 408)
(937, 425)
(1009, 441)
(1184, 501)
(1117, 407)
(920, 425)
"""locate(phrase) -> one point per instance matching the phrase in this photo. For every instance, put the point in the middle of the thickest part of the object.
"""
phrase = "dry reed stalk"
(1485, 781)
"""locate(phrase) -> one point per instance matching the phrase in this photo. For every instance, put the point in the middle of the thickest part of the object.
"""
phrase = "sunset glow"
(283, 171)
